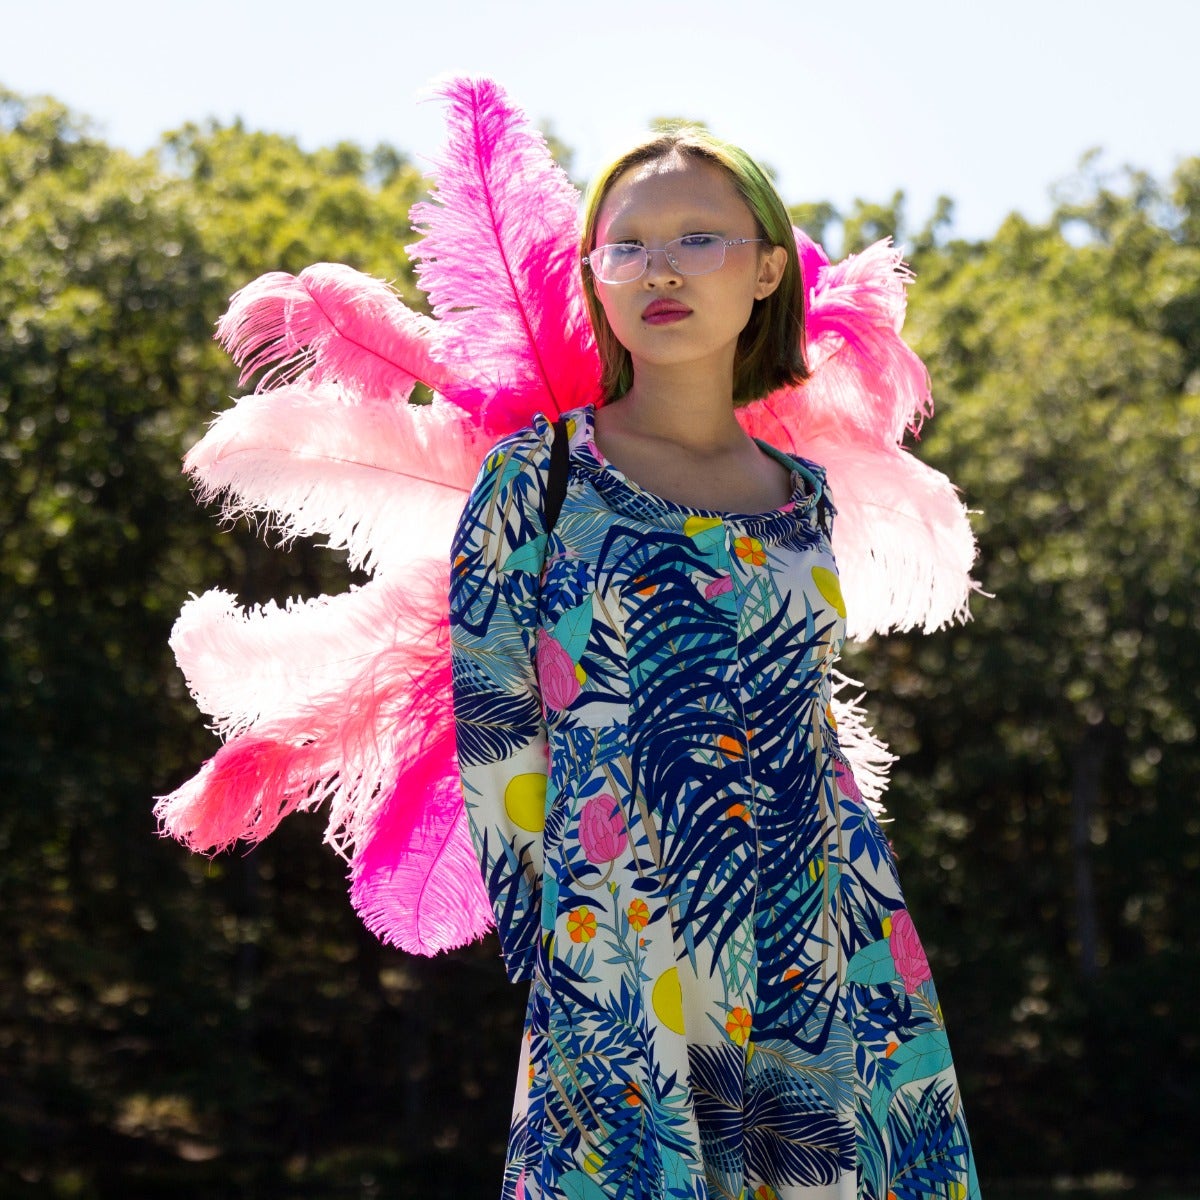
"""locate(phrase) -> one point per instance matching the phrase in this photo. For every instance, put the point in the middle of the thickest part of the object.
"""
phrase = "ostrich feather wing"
(903, 542)
(331, 323)
(902, 538)
(358, 474)
(377, 746)
(499, 261)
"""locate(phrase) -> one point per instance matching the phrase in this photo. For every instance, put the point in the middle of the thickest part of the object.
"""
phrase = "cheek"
(616, 313)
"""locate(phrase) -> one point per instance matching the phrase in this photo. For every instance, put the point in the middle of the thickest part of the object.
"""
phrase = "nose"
(658, 265)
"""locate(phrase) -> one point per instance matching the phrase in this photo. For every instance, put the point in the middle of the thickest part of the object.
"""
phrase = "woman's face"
(664, 318)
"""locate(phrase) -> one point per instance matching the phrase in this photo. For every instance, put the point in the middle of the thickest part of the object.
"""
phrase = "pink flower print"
(556, 672)
(719, 587)
(601, 829)
(907, 952)
(847, 784)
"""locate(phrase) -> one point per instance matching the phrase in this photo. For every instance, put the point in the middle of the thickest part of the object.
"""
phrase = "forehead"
(677, 188)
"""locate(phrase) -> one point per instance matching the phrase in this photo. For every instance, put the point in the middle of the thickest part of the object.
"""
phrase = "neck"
(690, 408)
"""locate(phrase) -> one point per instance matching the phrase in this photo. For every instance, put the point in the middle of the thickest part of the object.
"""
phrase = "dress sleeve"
(497, 557)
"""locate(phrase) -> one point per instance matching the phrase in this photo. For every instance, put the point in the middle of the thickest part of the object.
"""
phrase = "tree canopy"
(227, 1026)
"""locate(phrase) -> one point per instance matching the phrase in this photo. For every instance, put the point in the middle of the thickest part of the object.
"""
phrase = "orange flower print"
(639, 915)
(737, 1025)
(581, 925)
(750, 550)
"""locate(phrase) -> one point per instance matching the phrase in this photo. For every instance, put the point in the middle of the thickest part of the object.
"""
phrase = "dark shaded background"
(226, 1028)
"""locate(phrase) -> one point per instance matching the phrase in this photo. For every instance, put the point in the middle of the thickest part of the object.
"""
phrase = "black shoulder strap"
(556, 478)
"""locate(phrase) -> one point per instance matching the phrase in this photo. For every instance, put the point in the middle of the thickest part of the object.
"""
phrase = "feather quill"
(499, 260)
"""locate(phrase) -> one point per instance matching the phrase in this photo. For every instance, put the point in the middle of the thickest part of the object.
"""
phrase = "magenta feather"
(416, 881)
(499, 260)
(331, 323)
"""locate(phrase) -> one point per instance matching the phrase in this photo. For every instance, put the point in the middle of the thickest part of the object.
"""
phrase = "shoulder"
(812, 473)
(521, 455)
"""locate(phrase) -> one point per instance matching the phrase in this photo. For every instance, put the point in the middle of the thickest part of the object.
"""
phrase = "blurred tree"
(157, 1011)
(1047, 793)
(228, 1028)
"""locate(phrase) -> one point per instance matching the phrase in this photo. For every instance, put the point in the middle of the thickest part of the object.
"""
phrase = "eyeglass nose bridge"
(668, 257)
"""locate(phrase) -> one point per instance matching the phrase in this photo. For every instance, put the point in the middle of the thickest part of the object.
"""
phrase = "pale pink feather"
(249, 666)
(903, 542)
(347, 745)
(499, 260)
(354, 474)
(331, 323)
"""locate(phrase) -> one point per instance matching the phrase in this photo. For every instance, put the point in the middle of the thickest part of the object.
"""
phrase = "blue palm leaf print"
(642, 698)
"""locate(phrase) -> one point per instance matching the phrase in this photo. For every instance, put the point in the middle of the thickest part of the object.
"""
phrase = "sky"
(991, 104)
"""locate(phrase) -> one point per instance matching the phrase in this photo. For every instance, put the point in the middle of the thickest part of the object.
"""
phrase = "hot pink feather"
(499, 259)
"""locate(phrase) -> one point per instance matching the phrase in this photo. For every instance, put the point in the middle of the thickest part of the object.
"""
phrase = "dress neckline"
(630, 498)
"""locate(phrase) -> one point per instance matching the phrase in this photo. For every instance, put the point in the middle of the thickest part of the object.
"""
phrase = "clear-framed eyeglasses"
(692, 254)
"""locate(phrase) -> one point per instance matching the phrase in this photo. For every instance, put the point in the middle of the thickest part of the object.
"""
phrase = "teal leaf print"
(921, 1057)
(528, 556)
(576, 1185)
(872, 965)
(573, 629)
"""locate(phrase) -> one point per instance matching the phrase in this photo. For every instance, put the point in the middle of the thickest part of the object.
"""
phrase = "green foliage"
(227, 1026)
(159, 1012)
(1046, 802)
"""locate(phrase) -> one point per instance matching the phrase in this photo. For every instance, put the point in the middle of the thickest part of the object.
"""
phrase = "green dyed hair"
(770, 350)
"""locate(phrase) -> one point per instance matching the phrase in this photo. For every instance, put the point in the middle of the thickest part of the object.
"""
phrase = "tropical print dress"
(728, 998)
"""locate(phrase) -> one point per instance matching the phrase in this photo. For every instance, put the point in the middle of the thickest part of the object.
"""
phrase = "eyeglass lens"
(693, 254)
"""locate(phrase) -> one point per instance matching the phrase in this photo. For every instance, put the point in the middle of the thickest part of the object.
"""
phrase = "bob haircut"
(771, 349)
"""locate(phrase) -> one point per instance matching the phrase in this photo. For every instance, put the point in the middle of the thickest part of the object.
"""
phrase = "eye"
(699, 241)
(619, 251)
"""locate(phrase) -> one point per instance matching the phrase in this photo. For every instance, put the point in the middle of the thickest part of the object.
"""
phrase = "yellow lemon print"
(525, 801)
(829, 587)
(697, 525)
(667, 999)
(886, 926)
(592, 1163)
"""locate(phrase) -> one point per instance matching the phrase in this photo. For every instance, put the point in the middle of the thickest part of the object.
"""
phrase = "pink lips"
(665, 312)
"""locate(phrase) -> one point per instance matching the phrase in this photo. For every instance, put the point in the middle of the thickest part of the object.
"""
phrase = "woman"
(728, 997)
